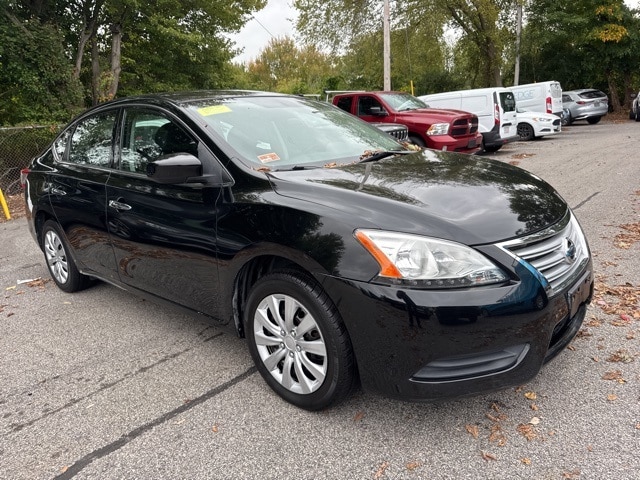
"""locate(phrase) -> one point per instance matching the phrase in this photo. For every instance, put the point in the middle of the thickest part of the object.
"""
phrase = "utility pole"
(516, 73)
(386, 46)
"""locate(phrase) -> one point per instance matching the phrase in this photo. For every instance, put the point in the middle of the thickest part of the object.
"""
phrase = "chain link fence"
(18, 145)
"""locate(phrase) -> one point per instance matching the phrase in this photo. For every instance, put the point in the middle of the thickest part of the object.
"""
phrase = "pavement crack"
(116, 445)
(586, 200)
(16, 427)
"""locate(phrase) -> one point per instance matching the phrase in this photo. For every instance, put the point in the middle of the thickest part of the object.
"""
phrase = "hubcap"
(56, 257)
(290, 344)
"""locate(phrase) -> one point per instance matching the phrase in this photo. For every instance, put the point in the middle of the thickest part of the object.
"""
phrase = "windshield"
(403, 101)
(282, 132)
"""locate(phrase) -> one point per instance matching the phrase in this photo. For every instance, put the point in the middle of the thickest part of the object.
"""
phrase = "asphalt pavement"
(103, 385)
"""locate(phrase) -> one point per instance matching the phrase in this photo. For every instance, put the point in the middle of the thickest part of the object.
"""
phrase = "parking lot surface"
(103, 385)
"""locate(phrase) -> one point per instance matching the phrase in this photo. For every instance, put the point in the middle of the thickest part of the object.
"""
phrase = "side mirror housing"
(378, 111)
(175, 168)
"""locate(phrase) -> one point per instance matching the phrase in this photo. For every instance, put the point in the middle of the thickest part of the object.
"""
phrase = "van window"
(508, 101)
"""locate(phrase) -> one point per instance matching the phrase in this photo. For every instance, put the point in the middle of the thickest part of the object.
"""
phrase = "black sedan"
(340, 255)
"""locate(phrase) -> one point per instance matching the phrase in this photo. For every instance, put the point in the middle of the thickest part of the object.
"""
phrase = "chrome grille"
(559, 253)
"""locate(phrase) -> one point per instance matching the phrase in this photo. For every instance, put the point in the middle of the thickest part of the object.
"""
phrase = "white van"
(495, 108)
(545, 97)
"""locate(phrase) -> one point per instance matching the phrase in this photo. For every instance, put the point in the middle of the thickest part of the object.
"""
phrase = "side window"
(566, 98)
(91, 142)
(345, 103)
(148, 135)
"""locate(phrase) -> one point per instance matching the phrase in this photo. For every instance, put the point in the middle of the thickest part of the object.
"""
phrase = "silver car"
(586, 104)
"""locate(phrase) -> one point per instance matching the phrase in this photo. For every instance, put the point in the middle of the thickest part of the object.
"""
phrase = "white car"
(536, 124)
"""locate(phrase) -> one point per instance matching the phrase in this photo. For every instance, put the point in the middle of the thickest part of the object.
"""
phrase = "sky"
(276, 20)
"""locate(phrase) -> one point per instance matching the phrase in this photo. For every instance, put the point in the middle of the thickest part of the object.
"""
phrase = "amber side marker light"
(387, 269)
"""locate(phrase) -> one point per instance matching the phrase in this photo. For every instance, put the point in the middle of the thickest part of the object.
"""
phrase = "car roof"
(583, 90)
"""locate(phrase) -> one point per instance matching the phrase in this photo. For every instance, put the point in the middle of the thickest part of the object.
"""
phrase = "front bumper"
(452, 144)
(420, 345)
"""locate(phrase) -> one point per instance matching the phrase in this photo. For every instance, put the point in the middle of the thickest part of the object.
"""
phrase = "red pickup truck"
(452, 130)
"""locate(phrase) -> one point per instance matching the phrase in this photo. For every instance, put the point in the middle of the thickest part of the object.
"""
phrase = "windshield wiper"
(372, 156)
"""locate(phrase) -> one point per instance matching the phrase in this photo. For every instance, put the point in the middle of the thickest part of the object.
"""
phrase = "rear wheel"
(298, 341)
(593, 120)
(525, 131)
(61, 266)
(637, 116)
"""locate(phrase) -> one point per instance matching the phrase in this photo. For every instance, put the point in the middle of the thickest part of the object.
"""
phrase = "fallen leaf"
(621, 356)
(612, 397)
(527, 431)
(472, 429)
(214, 429)
(526, 461)
(612, 375)
(380, 472)
(534, 407)
(64, 469)
(11, 288)
(572, 474)
(488, 456)
(534, 421)
(497, 436)
(531, 395)
(413, 465)
(358, 417)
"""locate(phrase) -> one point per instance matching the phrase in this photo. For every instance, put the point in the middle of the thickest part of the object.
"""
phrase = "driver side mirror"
(378, 111)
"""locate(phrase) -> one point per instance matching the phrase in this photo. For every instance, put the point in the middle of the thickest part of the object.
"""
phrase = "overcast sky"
(277, 20)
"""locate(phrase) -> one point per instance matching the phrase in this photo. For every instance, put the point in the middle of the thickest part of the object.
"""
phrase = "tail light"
(23, 176)
(581, 102)
(496, 114)
(549, 105)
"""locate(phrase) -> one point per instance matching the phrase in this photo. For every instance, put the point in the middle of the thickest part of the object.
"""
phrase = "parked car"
(339, 254)
(634, 113)
(585, 104)
(440, 129)
(533, 125)
(495, 108)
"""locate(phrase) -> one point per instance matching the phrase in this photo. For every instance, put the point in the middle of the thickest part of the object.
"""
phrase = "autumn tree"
(283, 67)
(592, 43)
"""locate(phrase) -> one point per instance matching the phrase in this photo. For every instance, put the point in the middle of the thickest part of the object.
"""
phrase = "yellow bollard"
(5, 207)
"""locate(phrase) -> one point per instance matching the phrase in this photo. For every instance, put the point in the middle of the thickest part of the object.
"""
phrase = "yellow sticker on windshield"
(213, 110)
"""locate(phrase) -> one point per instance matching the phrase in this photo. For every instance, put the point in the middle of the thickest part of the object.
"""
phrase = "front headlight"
(538, 119)
(438, 129)
(428, 262)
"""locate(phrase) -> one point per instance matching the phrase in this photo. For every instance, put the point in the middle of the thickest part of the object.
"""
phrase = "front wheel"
(593, 120)
(61, 266)
(525, 131)
(298, 341)
(416, 140)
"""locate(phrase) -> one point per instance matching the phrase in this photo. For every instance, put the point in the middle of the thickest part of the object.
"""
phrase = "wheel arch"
(256, 267)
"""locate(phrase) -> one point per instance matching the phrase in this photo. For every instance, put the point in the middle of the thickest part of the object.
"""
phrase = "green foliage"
(36, 81)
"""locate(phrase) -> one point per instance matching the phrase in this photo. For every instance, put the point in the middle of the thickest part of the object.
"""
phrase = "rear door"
(84, 157)
(505, 107)
(163, 235)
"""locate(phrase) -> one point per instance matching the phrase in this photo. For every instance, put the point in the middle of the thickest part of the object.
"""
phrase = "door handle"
(57, 191)
(119, 206)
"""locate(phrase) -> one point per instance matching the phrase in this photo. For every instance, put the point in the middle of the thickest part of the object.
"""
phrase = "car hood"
(457, 197)
(442, 113)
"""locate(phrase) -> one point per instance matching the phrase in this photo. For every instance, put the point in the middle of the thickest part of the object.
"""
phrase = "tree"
(283, 67)
(584, 44)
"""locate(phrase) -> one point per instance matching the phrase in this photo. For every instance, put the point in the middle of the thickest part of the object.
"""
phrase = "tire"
(632, 115)
(593, 120)
(416, 140)
(61, 266)
(569, 119)
(492, 148)
(525, 131)
(298, 341)
(637, 116)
